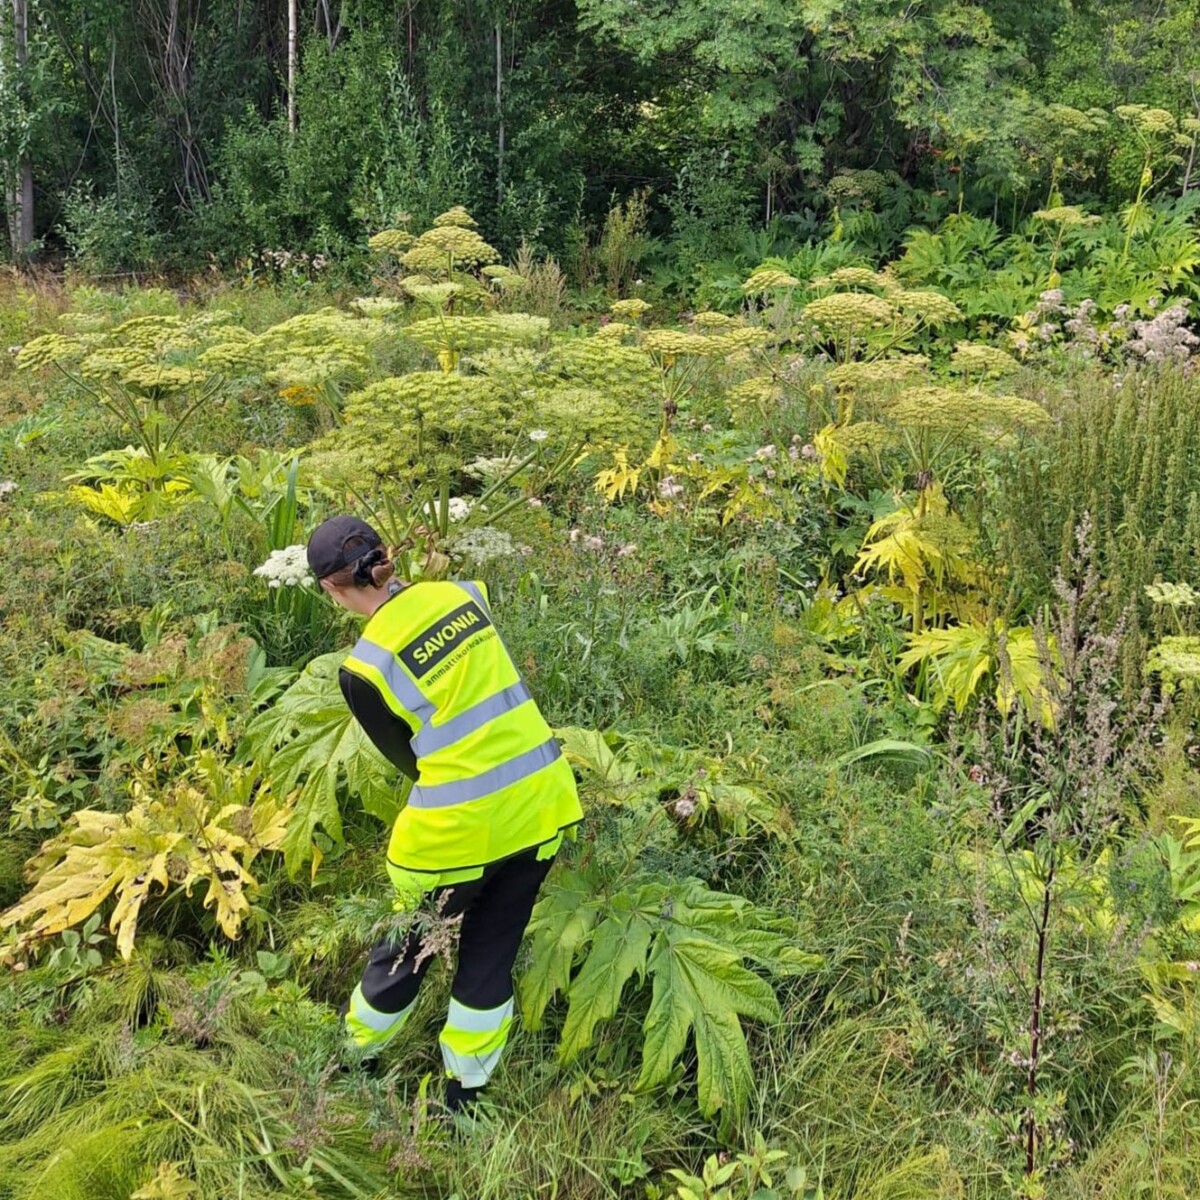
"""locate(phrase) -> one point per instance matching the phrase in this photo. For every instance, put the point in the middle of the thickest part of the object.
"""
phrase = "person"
(434, 688)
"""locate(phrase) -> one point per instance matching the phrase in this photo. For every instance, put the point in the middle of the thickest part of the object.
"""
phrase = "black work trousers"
(495, 910)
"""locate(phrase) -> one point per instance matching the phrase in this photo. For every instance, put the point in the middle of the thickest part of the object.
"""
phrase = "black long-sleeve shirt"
(391, 736)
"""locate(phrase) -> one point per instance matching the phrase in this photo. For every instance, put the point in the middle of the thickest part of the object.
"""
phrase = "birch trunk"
(18, 176)
(291, 66)
(500, 119)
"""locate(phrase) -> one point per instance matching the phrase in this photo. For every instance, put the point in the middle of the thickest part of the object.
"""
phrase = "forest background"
(179, 133)
(815, 388)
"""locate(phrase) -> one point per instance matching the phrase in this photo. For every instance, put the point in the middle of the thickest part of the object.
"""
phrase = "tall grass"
(1125, 451)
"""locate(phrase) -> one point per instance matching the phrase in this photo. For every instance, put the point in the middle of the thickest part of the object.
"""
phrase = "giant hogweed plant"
(1134, 259)
(442, 271)
(316, 753)
(154, 374)
(514, 414)
(696, 947)
(101, 710)
(168, 717)
(200, 817)
(704, 953)
(206, 827)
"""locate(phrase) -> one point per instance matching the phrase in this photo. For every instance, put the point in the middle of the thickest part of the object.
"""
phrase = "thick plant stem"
(1035, 1024)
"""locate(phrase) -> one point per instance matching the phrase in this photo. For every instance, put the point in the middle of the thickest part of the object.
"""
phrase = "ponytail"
(372, 569)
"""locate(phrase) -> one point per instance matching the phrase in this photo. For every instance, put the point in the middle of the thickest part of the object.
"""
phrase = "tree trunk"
(500, 118)
(291, 66)
(324, 22)
(170, 27)
(19, 176)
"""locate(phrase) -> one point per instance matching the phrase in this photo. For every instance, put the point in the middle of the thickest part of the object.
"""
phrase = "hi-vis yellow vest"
(491, 777)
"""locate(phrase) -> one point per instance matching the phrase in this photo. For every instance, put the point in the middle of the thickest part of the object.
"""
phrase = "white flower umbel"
(459, 508)
(538, 435)
(483, 544)
(286, 568)
(489, 468)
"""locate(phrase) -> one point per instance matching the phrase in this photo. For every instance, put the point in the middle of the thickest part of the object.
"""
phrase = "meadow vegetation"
(861, 587)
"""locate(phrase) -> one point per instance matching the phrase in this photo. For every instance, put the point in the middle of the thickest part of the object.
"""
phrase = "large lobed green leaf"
(693, 943)
(309, 742)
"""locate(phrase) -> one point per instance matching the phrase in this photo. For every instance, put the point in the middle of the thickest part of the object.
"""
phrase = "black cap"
(338, 542)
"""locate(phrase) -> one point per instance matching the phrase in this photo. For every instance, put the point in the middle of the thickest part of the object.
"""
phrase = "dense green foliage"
(863, 601)
(653, 140)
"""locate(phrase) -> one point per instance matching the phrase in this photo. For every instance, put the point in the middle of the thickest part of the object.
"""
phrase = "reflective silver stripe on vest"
(438, 737)
(407, 692)
(462, 791)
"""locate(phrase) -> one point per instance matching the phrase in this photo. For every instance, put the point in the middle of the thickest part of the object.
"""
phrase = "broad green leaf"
(562, 922)
(693, 942)
(618, 950)
(591, 751)
(883, 748)
(308, 741)
(701, 986)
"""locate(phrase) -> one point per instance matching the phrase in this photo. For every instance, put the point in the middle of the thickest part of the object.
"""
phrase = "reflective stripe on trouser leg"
(370, 1028)
(473, 1040)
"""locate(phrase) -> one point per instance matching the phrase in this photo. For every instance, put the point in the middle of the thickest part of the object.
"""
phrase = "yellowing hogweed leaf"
(207, 827)
(831, 455)
(618, 479)
(960, 658)
(121, 505)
